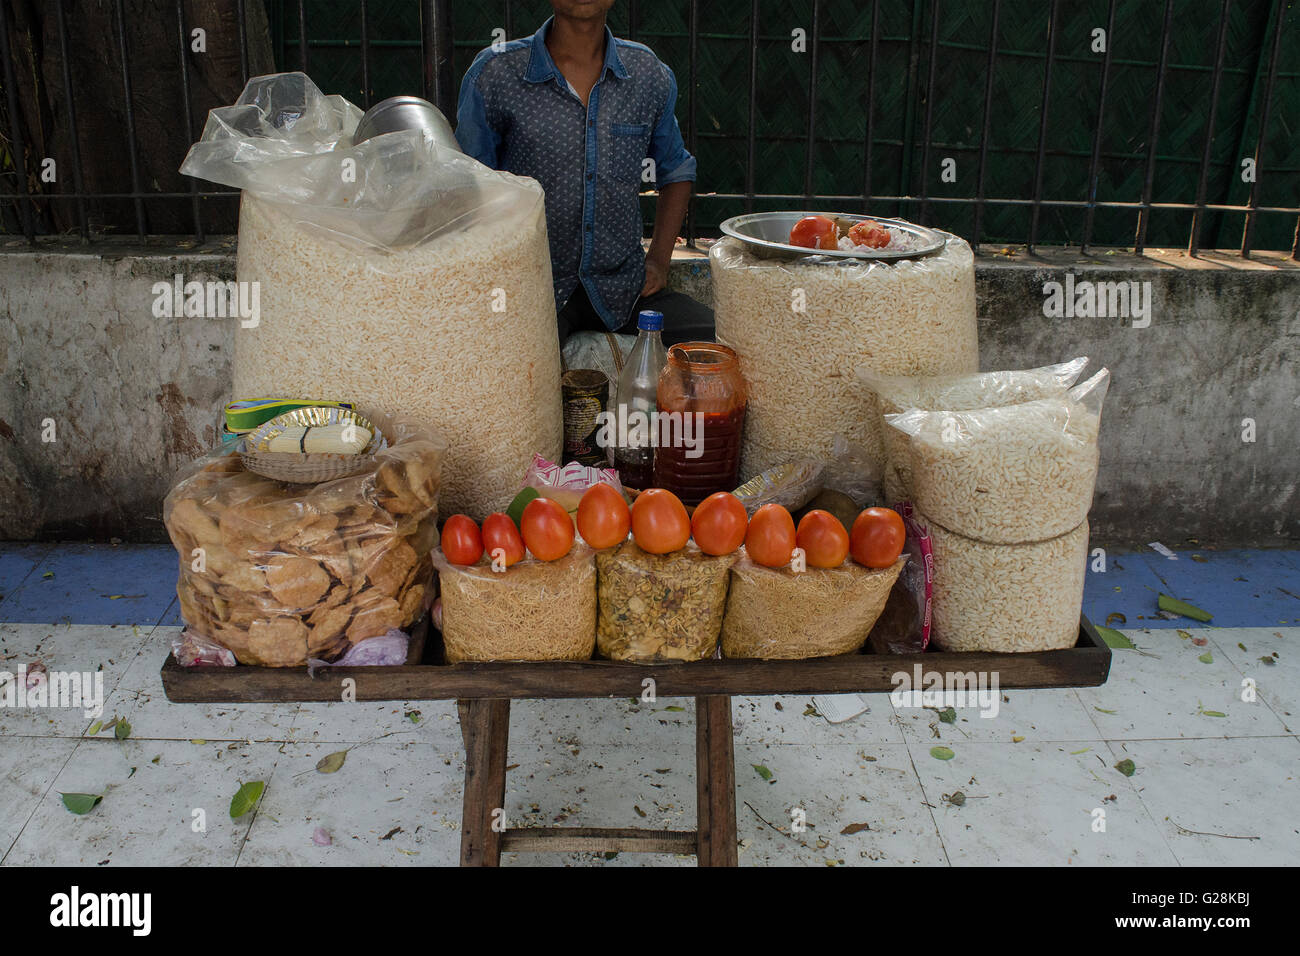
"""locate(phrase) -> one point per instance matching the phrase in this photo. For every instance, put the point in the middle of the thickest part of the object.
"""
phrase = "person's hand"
(656, 276)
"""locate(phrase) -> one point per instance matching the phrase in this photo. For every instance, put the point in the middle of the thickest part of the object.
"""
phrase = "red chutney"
(702, 399)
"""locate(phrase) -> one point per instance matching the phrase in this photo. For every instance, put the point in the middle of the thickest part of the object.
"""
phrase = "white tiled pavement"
(1038, 780)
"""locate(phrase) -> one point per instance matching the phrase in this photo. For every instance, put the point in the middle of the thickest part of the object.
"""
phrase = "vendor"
(590, 117)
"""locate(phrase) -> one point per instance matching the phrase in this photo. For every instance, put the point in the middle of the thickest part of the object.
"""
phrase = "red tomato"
(770, 539)
(814, 232)
(719, 523)
(547, 529)
(868, 233)
(878, 537)
(603, 517)
(500, 534)
(461, 541)
(823, 539)
(659, 522)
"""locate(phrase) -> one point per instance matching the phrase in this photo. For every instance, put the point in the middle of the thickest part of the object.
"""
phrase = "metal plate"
(767, 235)
(313, 416)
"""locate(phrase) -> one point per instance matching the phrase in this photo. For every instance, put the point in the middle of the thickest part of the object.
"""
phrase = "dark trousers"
(685, 319)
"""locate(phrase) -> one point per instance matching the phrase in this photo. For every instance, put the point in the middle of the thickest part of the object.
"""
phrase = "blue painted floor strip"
(136, 584)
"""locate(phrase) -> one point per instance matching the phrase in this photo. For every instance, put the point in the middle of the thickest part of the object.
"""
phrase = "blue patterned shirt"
(518, 113)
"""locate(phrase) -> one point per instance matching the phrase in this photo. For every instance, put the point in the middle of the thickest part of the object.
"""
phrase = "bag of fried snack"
(660, 607)
(280, 573)
(531, 611)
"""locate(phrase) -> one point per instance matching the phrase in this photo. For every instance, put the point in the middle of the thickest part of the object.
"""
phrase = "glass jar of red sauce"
(702, 399)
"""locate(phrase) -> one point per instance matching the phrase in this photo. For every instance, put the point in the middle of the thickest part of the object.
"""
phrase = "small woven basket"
(315, 467)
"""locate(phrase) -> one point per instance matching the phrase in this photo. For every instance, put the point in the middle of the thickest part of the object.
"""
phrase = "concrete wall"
(134, 397)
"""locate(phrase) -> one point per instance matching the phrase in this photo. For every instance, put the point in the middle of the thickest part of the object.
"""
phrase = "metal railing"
(439, 85)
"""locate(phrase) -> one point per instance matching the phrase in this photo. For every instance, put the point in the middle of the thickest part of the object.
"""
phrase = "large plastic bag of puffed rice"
(1007, 597)
(957, 393)
(1011, 474)
(398, 273)
(802, 326)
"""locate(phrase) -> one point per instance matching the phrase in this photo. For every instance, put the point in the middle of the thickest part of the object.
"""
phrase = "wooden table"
(483, 693)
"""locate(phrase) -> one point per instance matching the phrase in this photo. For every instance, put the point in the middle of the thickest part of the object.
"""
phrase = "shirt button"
(590, 177)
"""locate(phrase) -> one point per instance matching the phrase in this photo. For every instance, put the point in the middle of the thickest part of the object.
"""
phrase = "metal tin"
(585, 393)
(405, 112)
(767, 235)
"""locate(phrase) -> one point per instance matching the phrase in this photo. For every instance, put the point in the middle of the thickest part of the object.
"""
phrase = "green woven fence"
(905, 100)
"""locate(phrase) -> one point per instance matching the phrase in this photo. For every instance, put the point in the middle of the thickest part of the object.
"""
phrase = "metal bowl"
(405, 112)
(767, 235)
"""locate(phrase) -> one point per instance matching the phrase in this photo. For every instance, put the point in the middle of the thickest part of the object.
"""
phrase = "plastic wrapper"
(957, 393)
(603, 351)
(567, 484)
(281, 573)
(397, 273)
(660, 607)
(802, 327)
(192, 649)
(778, 613)
(531, 611)
(791, 485)
(1007, 597)
(905, 623)
(387, 650)
(853, 471)
(1011, 474)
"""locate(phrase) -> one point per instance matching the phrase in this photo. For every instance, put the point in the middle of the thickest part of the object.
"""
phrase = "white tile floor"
(1038, 780)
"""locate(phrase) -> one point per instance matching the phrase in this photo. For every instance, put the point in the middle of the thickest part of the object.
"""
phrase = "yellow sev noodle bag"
(280, 573)
(532, 611)
(779, 613)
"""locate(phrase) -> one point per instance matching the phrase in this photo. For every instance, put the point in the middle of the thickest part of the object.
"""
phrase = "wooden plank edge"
(597, 840)
(1085, 665)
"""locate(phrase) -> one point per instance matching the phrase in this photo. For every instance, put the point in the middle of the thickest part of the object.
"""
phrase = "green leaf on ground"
(1175, 606)
(1126, 767)
(246, 798)
(762, 771)
(948, 716)
(958, 799)
(122, 731)
(1206, 658)
(1104, 710)
(95, 728)
(332, 762)
(1114, 638)
(1266, 659)
(941, 753)
(81, 803)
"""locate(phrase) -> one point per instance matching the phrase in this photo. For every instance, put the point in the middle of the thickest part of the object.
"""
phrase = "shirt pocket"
(629, 143)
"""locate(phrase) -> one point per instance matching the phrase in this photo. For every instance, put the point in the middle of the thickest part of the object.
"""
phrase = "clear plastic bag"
(802, 326)
(853, 471)
(791, 486)
(397, 271)
(905, 623)
(898, 393)
(281, 573)
(531, 611)
(1008, 598)
(777, 613)
(1011, 474)
(660, 607)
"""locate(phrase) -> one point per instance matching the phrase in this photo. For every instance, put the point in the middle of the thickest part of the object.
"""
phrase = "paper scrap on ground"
(1161, 549)
(837, 708)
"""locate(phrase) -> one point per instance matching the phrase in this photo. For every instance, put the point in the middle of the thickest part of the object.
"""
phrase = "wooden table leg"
(485, 727)
(715, 781)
